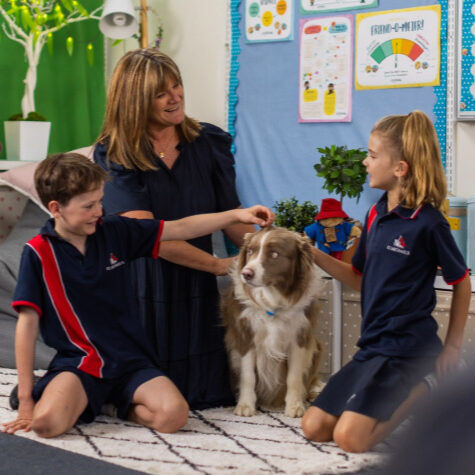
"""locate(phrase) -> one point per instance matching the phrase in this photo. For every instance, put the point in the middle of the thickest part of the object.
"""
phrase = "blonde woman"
(404, 240)
(164, 163)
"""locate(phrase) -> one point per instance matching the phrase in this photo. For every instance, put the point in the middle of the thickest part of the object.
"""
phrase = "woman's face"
(168, 108)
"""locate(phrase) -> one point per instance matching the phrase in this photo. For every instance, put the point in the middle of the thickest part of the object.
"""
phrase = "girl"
(405, 238)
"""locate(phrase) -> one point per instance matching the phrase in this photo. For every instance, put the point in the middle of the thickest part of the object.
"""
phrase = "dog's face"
(275, 257)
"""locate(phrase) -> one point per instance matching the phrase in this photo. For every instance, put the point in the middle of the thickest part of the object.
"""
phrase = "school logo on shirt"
(399, 245)
(114, 261)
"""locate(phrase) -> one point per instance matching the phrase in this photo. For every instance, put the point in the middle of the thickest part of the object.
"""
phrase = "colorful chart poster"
(326, 46)
(269, 20)
(398, 48)
(318, 6)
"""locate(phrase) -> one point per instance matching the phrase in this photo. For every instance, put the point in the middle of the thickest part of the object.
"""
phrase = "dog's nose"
(247, 274)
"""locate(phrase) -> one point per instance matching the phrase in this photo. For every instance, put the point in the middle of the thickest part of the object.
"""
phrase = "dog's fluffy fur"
(270, 313)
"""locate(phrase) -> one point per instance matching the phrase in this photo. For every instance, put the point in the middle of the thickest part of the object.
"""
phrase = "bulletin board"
(274, 152)
(465, 53)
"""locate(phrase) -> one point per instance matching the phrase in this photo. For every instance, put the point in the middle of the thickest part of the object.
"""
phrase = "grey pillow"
(11, 248)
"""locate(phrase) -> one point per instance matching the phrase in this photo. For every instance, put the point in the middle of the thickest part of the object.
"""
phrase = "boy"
(73, 286)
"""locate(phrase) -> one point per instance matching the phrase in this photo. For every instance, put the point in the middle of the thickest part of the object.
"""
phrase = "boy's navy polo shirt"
(86, 310)
(398, 258)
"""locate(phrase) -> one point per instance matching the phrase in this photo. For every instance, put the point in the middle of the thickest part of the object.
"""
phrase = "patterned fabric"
(213, 442)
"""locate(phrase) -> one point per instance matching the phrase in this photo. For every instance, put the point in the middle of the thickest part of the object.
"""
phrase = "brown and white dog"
(270, 313)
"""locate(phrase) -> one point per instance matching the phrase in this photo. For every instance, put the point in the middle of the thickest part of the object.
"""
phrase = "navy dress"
(179, 306)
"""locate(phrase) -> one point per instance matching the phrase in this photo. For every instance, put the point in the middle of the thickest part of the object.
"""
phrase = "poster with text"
(317, 6)
(325, 71)
(398, 48)
(269, 20)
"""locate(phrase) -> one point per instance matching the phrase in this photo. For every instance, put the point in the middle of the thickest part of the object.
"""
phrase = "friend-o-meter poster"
(398, 48)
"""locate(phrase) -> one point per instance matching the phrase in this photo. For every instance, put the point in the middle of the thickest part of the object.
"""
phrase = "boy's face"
(78, 218)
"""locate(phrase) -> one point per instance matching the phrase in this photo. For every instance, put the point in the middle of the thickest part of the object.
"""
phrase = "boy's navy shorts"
(375, 387)
(118, 391)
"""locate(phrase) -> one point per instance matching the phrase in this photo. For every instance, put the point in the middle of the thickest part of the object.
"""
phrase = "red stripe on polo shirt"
(156, 246)
(92, 362)
(371, 216)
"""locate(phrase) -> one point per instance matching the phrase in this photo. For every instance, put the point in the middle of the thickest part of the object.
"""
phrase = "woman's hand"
(224, 265)
(258, 214)
(24, 419)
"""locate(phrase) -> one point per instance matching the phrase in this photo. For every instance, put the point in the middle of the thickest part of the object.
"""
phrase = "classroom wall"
(195, 35)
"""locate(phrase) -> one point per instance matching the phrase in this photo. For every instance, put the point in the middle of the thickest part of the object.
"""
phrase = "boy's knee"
(171, 417)
(351, 441)
(314, 428)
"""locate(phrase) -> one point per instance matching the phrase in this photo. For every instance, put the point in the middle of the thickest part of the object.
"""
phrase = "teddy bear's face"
(330, 222)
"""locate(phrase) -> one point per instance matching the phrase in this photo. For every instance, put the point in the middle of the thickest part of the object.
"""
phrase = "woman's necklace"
(162, 153)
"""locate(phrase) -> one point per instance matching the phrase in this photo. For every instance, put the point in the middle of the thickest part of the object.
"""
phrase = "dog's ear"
(306, 254)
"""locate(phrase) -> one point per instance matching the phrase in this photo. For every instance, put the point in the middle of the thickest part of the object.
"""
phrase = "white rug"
(214, 441)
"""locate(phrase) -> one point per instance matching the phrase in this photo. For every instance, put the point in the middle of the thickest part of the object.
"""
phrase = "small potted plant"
(291, 214)
(32, 24)
(343, 170)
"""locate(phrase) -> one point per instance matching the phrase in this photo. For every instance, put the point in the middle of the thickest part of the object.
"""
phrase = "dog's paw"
(295, 409)
(245, 410)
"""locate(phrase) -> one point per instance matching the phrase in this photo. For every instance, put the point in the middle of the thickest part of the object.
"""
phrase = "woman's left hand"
(258, 214)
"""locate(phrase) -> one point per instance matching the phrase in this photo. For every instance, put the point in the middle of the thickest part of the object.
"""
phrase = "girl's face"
(168, 107)
(380, 166)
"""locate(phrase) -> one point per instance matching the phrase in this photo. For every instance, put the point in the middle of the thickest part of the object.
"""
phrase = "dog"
(270, 313)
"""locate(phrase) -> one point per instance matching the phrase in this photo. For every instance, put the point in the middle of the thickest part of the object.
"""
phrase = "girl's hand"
(447, 361)
(23, 420)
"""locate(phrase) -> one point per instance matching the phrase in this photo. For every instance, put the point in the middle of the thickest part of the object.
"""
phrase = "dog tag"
(330, 234)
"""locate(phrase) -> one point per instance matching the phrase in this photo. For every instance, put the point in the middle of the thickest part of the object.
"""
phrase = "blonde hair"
(412, 138)
(137, 79)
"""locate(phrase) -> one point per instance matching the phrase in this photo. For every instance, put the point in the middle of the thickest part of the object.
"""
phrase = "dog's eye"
(274, 255)
(249, 252)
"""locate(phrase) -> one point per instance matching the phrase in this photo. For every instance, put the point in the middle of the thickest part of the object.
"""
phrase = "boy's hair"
(137, 79)
(412, 138)
(63, 176)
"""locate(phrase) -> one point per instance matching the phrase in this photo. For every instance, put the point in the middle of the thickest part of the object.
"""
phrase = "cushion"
(28, 226)
(21, 178)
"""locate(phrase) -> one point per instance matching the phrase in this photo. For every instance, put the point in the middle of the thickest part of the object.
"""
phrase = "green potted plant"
(343, 170)
(32, 24)
(344, 174)
(291, 214)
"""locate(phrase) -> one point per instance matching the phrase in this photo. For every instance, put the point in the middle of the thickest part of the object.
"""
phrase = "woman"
(164, 163)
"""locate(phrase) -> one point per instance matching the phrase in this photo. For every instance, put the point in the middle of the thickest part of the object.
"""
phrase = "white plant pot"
(27, 139)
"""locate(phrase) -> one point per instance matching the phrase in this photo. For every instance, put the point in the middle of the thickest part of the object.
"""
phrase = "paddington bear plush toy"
(331, 233)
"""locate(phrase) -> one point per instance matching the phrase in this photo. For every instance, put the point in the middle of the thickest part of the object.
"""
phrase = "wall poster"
(269, 20)
(325, 71)
(318, 6)
(398, 48)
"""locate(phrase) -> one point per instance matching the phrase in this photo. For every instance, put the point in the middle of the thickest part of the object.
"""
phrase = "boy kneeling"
(73, 286)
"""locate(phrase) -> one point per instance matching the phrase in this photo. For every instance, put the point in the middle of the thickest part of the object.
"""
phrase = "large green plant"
(343, 170)
(291, 214)
(32, 24)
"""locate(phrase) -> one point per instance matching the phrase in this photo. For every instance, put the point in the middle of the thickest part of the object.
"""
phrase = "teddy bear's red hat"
(331, 208)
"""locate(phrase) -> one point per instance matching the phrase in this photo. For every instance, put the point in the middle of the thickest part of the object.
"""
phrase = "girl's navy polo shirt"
(86, 310)
(398, 258)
